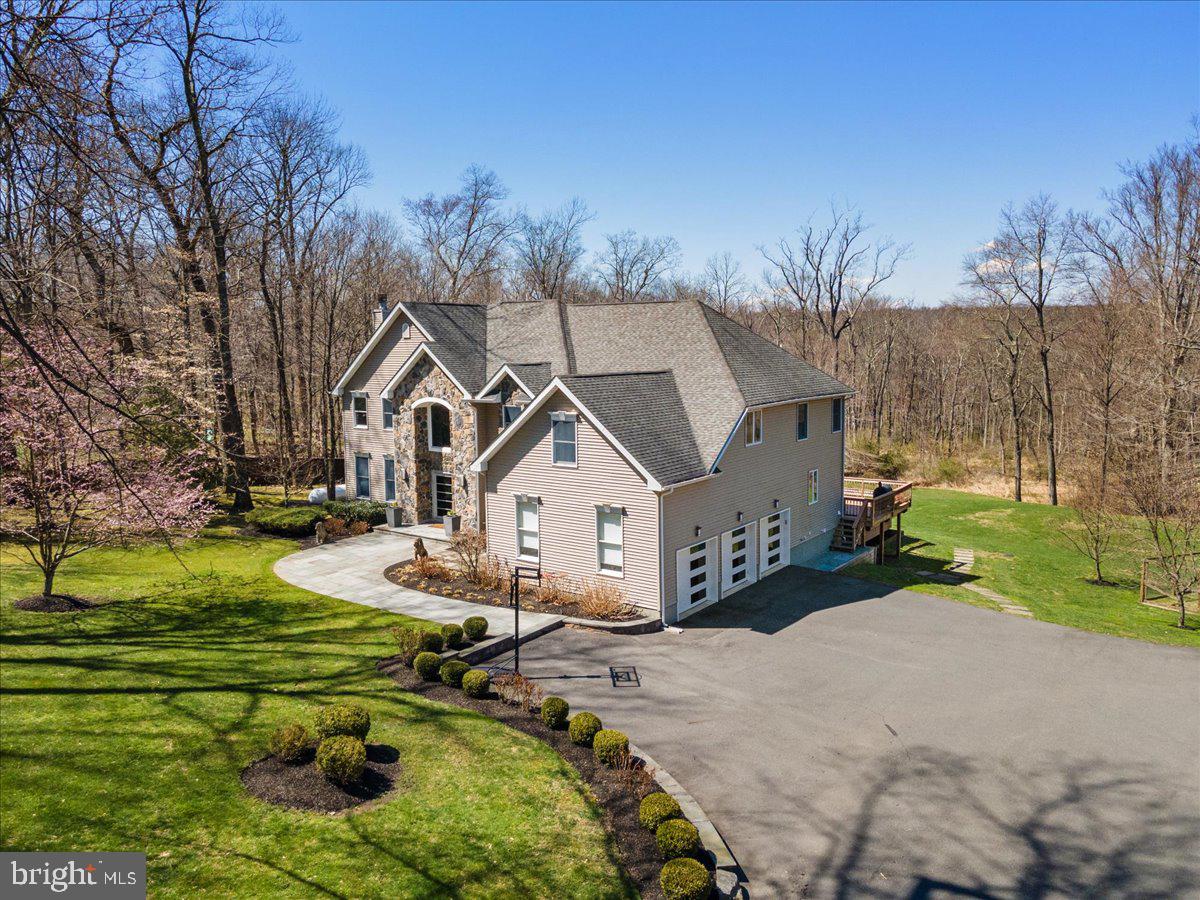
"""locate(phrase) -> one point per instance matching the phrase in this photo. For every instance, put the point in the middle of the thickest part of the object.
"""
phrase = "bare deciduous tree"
(633, 266)
(723, 285)
(550, 247)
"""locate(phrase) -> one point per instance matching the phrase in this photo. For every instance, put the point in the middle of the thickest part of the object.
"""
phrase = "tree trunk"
(1048, 403)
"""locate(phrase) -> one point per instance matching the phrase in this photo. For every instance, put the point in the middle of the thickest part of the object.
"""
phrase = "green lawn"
(1020, 553)
(125, 729)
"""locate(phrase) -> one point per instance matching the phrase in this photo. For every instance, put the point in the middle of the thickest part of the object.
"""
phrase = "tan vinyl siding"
(372, 376)
(569, 496)
(751, 478)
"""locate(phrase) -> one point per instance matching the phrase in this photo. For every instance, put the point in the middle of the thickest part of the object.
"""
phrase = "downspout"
(662, 566)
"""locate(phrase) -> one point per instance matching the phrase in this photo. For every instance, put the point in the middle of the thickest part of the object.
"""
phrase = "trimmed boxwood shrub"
(610, 745)
(475, 627)
(432, 641)
(452, 635)
(685, 879)
(370, 511)
(344, 718)
(676, 838)
(476, 683)
(428, 665)
(286, 521)
(583, 728)
(452, 672)
(289, 743)
(555, 711)
(342, 758)
(656, 808)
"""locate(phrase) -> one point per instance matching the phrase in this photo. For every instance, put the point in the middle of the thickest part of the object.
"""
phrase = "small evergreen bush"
(342, 758)
(428, 665)
(676, 838)
(610, 745)
(555, 712)
(656, 808)
(452, 672)
(289, 743)
(475, 628)
(476, 683)
(583, 728)
(286, 521)
(685, 879)
(344, 718)
(409, 640)
(452, 635)
(432, 641)
(370, 511)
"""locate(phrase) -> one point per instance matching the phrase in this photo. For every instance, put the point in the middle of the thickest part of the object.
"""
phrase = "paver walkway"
(352, 569)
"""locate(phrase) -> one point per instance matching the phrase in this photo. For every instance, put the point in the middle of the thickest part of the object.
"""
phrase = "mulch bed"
(458, 588)
(58, 603)
(636, 847)
(302, 786)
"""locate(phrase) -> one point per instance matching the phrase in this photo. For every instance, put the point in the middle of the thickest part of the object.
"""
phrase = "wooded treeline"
(166, 189)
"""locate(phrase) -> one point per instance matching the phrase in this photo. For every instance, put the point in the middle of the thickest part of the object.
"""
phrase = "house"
(661, 446)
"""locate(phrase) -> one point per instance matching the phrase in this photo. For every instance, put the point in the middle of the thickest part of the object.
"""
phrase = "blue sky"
(728, 125)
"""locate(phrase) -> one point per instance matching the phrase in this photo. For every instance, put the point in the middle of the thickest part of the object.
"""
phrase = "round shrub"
(476, 683)
(555, 711)
(344, 718)
(583, 728)
(452, 672)
(289, 743)
(676, 838)
(452, 635)
(475, 628)
(685, 879)
(342, 758)
(432, 641)
(610, 745)
(428, 665)
(657, 808)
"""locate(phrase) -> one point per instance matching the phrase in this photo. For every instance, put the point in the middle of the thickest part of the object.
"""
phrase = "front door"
(696, 575)
(775, 542)
(738, 567)
(443, 494)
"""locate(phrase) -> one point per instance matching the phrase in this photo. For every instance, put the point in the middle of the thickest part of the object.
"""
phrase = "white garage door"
(696, 574)
(738, 567)
(775, 542)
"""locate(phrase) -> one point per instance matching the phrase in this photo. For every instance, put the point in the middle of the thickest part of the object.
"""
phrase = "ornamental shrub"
(583, 728)
(685, 879)
(476, 683)
(475, 628)
(452, 635)
(676, 838)
(286, 521)
(409, 640)
(555, 711)
(656, 808)
(452, 672)
(370, 511)
(343, 718)
(432, 641)
(610, 745)
(289, 743)
(342, 758)
(427, 665)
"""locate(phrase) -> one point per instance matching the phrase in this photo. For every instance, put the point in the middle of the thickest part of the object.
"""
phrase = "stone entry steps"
(1006, 605)
(964, 560)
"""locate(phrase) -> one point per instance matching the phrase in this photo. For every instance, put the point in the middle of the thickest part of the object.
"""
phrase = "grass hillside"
(1020, 552)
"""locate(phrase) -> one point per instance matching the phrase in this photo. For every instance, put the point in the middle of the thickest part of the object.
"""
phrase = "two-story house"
(659, 445)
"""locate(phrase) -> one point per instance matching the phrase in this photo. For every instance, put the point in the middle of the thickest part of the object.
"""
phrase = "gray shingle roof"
(459, 333)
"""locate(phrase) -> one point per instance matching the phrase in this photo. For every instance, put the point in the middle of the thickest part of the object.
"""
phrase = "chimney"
(379, 312)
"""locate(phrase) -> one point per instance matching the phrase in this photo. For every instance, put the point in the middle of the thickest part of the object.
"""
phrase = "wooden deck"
(867, 518)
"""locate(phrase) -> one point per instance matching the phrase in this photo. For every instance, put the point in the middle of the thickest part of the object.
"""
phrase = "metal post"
(516, 602)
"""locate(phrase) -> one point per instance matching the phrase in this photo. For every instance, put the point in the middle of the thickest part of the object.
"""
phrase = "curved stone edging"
(631, 626)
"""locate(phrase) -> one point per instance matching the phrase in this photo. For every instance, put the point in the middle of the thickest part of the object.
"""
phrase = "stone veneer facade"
(416, 463)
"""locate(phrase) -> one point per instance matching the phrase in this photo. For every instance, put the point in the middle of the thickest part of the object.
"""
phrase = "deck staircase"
(844, 535)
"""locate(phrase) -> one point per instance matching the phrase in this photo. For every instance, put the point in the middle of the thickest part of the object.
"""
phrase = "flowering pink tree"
(76, 474)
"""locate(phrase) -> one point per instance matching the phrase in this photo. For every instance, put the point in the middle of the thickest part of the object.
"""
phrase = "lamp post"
(514, 592)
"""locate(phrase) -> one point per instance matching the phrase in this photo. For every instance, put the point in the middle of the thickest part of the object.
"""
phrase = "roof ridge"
(611, 374)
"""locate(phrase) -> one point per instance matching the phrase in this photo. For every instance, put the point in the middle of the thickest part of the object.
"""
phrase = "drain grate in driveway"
(623, 676)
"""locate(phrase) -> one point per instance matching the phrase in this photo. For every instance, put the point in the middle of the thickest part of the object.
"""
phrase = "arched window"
(439, 426)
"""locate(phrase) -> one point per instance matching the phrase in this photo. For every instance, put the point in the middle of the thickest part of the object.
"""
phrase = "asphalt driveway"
(853, 740)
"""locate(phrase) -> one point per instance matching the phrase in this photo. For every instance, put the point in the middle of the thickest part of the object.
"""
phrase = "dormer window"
(359, 404)
(563, 437)
(754, 427)
(405, 330)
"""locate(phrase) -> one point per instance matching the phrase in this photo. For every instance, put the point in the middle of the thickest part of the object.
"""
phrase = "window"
(813, 491)
(508, 414)
(388, 412)
(527, 528)
(609, 540)
(362, 476)
(439, 427)
(801, 421)
(405, 330)
(837, 408)
(389, 478)
(359, 402)
(754, 431)
(562, 426)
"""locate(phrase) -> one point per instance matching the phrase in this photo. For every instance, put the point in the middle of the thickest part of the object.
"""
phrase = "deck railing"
(858, 499)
